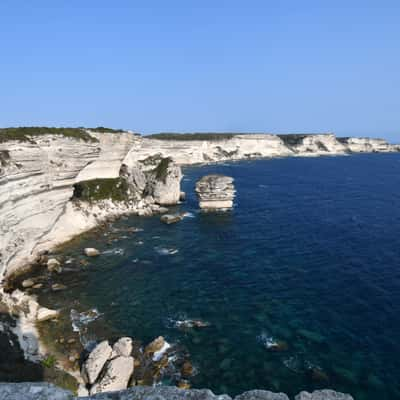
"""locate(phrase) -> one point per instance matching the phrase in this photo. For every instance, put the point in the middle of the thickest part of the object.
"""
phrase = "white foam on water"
(267, 340)
(116, 251)
(163, 251)
(81, 319)
(157, 356)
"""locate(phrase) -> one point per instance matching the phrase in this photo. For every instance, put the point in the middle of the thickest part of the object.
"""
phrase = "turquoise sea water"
(309, 256)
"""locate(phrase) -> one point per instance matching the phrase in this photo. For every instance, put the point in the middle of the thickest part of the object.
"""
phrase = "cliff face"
(35, 185)
(255, 146)
(37, 178)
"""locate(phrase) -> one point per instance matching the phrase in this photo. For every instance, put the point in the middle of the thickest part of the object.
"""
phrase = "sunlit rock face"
(215, 192)
(37, 178)
(36, 182)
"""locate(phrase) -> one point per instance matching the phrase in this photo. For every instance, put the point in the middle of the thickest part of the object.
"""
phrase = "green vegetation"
(101, 189)
(26, 134)
(49, 361)
(192, 136)
(102, 129)
(161, 170)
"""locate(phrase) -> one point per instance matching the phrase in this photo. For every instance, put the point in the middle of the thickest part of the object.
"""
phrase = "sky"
(282, 66)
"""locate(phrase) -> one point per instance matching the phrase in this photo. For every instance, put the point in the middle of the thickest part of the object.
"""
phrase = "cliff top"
(214, 136)
(26, 133)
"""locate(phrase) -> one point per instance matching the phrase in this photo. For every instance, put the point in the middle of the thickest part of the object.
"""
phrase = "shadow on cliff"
(13, 366)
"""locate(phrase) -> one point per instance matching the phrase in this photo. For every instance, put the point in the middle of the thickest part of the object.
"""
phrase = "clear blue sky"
(202, 65)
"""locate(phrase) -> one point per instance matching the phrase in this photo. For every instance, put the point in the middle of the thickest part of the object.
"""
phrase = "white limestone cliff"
(37, 178)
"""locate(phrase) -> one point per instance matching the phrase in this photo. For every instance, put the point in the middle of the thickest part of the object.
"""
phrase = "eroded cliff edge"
(44, 170)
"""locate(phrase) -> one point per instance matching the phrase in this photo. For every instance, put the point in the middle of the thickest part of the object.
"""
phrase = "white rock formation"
(95, 362)
(215, 192)
(123, 347)
(91, 252)
(116, 377)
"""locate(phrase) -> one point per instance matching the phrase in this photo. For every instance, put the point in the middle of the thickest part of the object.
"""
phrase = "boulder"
(95, 362)
(91, 252)
(215, 192)
(45, 314)
(53, 265)
(27, 283)
(123, 347)
(56, 287)
(116, 377)
(323, 395)
(171, 218)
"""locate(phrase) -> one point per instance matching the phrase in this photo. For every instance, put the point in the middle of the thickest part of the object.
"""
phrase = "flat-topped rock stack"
(215, 192)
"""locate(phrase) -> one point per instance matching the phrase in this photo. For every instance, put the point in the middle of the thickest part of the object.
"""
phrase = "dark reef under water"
(308, 259)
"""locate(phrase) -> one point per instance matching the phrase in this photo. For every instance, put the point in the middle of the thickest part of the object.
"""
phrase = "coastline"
(86, 218)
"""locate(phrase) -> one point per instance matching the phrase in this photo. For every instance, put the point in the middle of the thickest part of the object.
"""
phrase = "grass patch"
(26, 134)
(193, 136)
(101, 189)
(161, 170)
(49, 361)
(102, 129)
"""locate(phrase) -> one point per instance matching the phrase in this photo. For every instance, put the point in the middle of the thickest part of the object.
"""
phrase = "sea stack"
(215, 192)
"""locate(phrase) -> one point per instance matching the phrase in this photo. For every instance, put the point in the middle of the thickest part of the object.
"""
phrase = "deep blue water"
(310, 255)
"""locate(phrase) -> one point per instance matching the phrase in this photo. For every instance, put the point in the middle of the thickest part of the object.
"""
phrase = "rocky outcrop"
(323, 395)
(39, 206)
(215, 192)
(96, 361)
(46, 391)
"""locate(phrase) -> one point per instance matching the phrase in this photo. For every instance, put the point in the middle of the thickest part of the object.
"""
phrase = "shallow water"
(308, 257)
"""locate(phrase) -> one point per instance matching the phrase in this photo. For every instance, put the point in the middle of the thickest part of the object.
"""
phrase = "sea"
(299, 284)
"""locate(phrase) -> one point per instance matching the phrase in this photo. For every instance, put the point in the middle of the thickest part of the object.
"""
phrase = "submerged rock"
(91, 252)
(215, 192)
(116, 377)
(95, 362)
(171, 218)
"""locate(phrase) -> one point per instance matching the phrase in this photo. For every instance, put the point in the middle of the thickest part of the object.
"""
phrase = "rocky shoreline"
(78, 187)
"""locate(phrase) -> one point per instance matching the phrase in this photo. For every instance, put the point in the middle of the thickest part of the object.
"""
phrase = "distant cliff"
(57, 183)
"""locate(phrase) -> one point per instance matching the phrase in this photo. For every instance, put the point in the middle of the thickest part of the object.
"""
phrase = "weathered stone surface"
(45, 314)
(116, 377)
(91, 252)
(323, 395)
(261, 395)
(123, 347)
(95, 362)
(33, 391)
(215, 192)
(46, 391)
